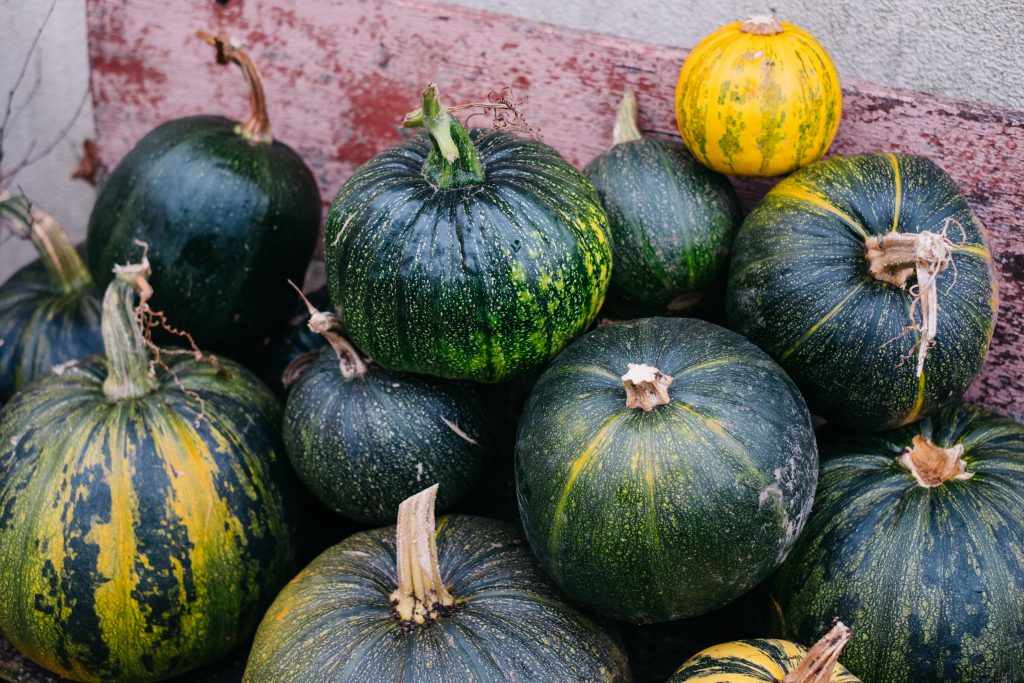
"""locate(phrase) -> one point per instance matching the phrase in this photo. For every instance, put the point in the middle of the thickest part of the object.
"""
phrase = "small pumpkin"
(758, 98)
(143, 528)
(50, 309)
(464, 601)
(770, 661)
(672, 221)
(468, 255)
(229, 214)
(917, 541)
(869, 279)
(664, 466)
(363, 439)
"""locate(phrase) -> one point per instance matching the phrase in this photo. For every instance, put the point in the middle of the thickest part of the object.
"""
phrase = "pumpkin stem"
(821, 660)
(257, 127)
(646, 387)
(626, 126)
(762, 25)
(894, 257)
(933, 465)
(453, 160)
(68, 273)
(421, 597)
(128, 374)
(330, 327)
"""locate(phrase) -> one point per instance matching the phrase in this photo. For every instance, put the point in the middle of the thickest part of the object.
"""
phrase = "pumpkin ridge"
(824, 319)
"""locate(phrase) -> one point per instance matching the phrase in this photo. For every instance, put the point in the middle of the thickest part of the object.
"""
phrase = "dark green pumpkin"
(800, 288)
(229, 216)
(50, 309)
(931, 579)
(651, 515)
(363, 439)
(142, 526)
(672, 220)
(478, 268)
(338, 621)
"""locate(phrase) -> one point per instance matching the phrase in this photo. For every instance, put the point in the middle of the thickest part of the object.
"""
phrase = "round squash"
(463, 602)
(770, 661)
(672, 489)
(142, 527)
(50, 309)
(229, 214)
(758, 98)
(363, 439)
(916, 541)
(672, 221)
(472, 255)
(869, 280)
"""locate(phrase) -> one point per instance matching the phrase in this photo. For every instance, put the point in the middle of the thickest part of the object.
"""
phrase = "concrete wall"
(964, 50)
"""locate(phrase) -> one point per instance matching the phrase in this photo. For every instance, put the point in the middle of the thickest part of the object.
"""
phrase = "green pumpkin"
(50, 309)
(363, 439)
(142, 526)
(466, 602)
(466, 255)
(228, 213)
(672, 221)
(672, 489)
(837, 273)
(917, 542)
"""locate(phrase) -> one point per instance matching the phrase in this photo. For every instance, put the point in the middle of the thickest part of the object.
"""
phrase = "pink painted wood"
(341, 73)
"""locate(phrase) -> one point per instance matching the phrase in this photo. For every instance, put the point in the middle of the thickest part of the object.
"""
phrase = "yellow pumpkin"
(758, 98)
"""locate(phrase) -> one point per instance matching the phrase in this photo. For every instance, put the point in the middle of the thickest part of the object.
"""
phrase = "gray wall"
(971, 51)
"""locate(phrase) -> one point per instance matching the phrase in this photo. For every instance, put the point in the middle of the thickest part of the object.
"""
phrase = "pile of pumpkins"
(154, 497)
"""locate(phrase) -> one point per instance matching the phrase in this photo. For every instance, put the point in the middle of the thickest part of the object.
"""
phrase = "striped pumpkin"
(758, 98)
(142, 527)
(868, 278)
(502, 245)
(917, 541)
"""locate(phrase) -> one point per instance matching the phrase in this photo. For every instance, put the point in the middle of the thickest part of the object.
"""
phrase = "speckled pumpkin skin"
(334, 623)
(653, 516)
(482, 282)
(760, 660)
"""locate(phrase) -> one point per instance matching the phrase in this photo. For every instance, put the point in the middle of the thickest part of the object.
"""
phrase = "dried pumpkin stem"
(627, 128)
(821, 660)
(257, 126)
(330, 327)
(762, 25)
(67, 271)
(453, 160)
(128, 374)
(646, 387)
(934, 465)
(421, 597)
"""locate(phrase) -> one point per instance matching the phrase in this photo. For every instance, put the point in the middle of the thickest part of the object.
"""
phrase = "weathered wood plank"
(341, 73)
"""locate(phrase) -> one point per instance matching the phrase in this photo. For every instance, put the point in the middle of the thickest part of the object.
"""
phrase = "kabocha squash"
(917, 541)
(467, 255)
(229, 214)
(363, 439)
(664, 467)
(672, 221)
(50, 309)
(869, 280)
(758, 98)
(142, 526)
(770, 661)
(463, 602)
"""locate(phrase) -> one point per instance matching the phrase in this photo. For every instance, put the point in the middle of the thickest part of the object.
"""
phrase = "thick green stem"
(128, 372)
(421, 597)
(66, 268)
(257, 126)
(453, 161)
(626, 127)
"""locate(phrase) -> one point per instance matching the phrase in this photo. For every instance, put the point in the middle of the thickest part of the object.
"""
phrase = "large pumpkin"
(664, 467)
(917, 542)
(758, 98)
(869, 280)
(142, 527)
(472, 255)
(229, 213)
(463, 602)
(672, 221)
(50, 309)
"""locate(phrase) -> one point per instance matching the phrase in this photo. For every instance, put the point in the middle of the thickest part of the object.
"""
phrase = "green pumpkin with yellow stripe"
(142, 525)
(868, 278)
